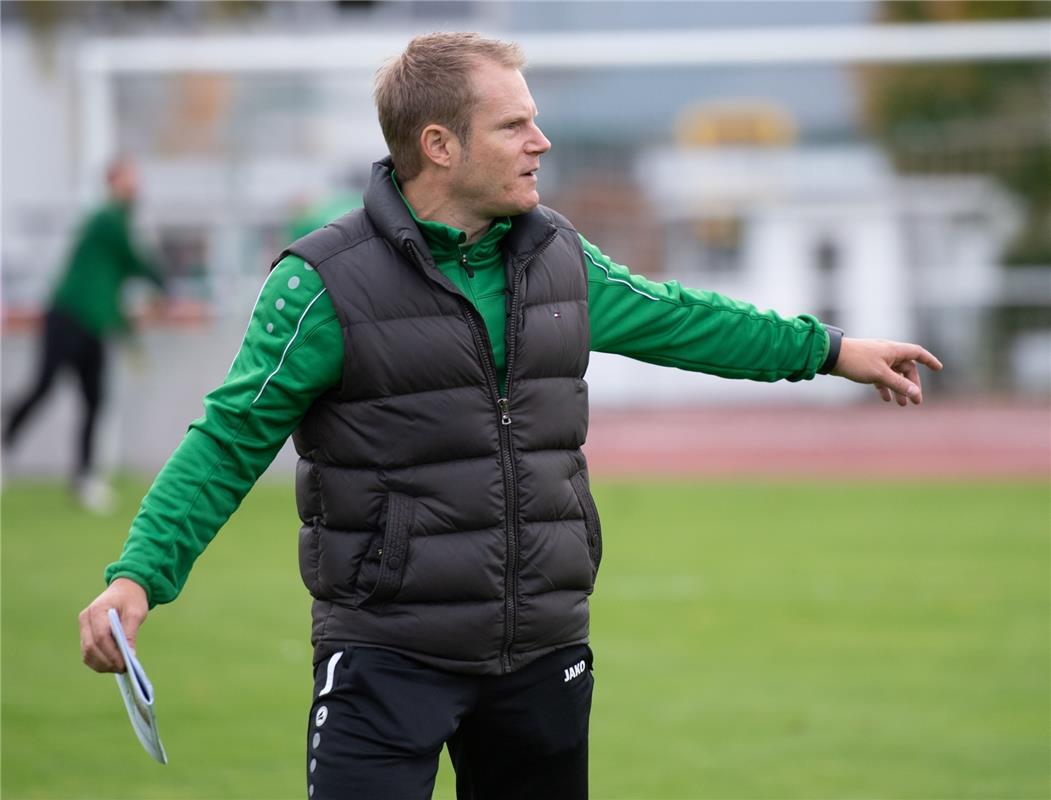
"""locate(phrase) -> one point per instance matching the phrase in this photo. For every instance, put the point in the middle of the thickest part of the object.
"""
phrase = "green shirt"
(292, 352)
(103, 257)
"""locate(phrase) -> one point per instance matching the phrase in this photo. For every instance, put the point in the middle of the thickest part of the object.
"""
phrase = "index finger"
(916, 353)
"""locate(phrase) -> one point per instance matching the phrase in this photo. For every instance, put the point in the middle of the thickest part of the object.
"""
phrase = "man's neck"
(431, 202)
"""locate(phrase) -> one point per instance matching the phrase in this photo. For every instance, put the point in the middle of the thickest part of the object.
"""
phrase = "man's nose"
(538, 143)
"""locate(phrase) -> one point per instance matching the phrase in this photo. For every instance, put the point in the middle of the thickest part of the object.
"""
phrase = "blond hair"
(430, 84)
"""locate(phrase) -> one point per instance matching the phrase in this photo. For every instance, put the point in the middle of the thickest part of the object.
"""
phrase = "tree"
(981, 116)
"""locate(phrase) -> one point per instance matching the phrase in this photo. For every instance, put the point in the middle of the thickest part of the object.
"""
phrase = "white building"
(831, 231)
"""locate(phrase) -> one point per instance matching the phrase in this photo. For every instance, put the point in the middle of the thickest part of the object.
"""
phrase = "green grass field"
(779, 640)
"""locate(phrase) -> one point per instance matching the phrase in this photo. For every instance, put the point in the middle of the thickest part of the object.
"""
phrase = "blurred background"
(883, 165)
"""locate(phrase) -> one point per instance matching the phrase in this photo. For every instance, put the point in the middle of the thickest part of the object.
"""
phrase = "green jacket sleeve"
(671, 325)
(292, 352)
(132, 256)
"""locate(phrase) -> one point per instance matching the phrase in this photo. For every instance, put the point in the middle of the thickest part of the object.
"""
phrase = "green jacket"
(103, 257)
(292, 352)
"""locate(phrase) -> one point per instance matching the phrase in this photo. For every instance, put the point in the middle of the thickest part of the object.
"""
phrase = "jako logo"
(574, 671)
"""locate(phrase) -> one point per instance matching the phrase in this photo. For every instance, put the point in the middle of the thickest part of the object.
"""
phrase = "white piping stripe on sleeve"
(294, 335)
(330, 673)
(618, 280)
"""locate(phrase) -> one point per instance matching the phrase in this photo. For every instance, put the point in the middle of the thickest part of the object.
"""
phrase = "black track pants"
(379, 721)
(66, 343)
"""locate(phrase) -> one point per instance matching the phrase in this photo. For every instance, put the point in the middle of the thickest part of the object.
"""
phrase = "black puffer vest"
(441, 519)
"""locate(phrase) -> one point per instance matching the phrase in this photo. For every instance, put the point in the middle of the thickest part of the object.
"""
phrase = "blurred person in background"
(427, 355)
(84, 310)
(310, 215)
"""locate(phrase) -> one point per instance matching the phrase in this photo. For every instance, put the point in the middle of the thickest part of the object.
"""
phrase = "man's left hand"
(892, 367)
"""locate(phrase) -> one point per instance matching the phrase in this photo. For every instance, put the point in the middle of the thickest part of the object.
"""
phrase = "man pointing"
(427, 354)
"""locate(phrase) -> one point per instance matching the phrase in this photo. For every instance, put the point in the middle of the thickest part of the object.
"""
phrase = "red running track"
(951, 441)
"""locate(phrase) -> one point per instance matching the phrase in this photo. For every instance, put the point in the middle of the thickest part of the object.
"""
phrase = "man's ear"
(439, 145)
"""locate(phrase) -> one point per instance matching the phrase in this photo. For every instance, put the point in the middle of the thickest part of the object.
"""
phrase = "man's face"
(495, 175)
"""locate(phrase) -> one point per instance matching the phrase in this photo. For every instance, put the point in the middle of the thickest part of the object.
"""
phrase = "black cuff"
(835, 341)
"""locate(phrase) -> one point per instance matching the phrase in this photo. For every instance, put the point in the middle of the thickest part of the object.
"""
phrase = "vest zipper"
(484, 346)
(481, 340)
(503, 408)
(511, 481)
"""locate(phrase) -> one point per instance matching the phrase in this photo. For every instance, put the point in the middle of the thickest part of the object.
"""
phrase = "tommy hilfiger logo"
(574, 671)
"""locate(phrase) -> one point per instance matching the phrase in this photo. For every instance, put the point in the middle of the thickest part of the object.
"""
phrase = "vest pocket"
(309, 555)
(591, 520)
(394, 550)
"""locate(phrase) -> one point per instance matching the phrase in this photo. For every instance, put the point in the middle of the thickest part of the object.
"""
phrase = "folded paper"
(137, 692)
